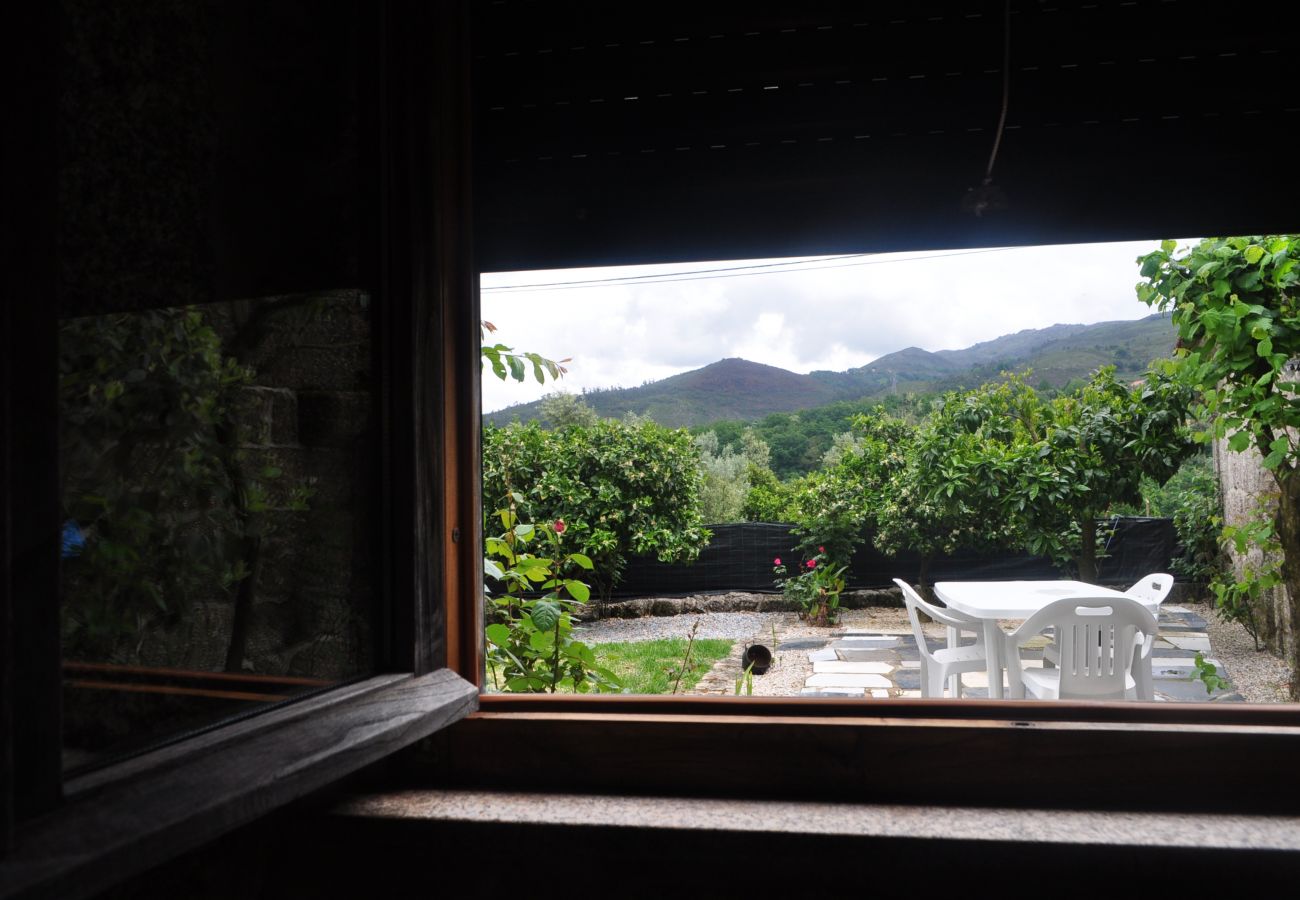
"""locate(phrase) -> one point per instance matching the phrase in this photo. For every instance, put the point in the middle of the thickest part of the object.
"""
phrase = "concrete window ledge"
(858, 820)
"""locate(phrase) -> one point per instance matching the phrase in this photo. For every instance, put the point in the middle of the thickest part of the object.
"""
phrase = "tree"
(1053, 468)
(561, 409)
(728, 474)
(1236, 303)
(832, 507)
(619, 489)
(917, 513)
(725, 482)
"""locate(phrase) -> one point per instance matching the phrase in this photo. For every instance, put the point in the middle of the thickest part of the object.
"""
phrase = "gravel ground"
(1260, 677)
(737, 626)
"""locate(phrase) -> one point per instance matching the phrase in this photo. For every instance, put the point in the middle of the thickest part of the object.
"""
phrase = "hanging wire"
(1006, 89)
(737, 272)
(988, 196)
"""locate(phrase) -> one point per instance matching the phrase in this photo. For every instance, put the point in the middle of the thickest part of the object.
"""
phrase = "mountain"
(738, 389)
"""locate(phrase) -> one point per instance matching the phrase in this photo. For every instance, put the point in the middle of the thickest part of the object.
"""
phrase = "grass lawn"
(650, 667)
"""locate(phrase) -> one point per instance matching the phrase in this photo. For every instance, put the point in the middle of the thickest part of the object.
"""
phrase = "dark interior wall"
(688, 132)
(207, 151)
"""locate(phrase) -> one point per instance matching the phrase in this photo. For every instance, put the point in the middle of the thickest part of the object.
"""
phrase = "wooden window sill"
(126, 818)
(1146, 758)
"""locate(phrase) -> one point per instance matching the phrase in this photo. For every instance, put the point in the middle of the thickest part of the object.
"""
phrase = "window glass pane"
(216, 490)
(218, 449)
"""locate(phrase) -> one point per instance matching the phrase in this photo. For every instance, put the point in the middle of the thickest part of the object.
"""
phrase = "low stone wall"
(735, 601)
(740, 601)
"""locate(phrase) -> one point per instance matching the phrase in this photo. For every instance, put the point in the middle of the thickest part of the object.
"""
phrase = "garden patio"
(868, 662)
(872, 654)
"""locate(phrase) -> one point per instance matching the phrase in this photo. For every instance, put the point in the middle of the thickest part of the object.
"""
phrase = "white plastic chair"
(1154, 587)
(952, 661)
(1096, 637)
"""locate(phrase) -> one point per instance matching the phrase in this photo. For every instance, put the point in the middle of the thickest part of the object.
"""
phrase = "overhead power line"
(733, 272)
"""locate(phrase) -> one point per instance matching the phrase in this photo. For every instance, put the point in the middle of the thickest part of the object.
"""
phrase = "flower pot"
(757, 655)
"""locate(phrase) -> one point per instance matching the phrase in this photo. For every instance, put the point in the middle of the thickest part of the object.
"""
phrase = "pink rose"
(777, 561)
(559, 526)
(812, 563)
(821, 549)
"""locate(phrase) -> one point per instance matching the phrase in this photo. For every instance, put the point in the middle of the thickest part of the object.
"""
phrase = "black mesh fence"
(740, 558)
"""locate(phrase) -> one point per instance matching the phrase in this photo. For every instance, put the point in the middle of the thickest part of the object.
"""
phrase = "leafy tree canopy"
(1052, 468)
(620, 489)
(1236, 304)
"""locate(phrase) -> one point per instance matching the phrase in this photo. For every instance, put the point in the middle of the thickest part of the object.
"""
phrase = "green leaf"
(545, 614)
(1239, 441)
(492, 570)
(1254, 254)
(517, 371)
(581, 559)
(498, 634)
(578, 590)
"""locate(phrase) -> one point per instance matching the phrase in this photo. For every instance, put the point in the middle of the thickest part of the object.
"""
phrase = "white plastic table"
(989, 601)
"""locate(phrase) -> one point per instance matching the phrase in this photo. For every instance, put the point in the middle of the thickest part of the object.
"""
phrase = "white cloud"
(837, 314)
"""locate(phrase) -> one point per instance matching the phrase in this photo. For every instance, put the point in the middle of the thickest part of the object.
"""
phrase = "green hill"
(736, 389)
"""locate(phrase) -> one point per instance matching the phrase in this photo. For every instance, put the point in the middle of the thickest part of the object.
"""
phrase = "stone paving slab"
(848, 680)
(802, 644)
(852, 668)
(866, 656)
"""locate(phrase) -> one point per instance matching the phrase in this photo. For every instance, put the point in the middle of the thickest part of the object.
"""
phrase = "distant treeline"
(799, 440)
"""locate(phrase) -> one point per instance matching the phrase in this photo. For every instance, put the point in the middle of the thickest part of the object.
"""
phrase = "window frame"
(79, 836)
(693, 746)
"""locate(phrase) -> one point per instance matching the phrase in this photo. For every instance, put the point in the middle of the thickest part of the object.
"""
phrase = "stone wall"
(1245, 484)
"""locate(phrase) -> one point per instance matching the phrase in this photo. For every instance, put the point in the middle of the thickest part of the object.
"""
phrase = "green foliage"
(816, 587)
(1235, 303)
(725, 480)
(150, 474)
(1208, 674)
(799, 441)
(562, 409)
(531, 648)
(916, 511)
(1051, 469)
(1236, 599)
(769, 499)
(621, 489)
(746, 681)
(506, 363)
(1191, 499)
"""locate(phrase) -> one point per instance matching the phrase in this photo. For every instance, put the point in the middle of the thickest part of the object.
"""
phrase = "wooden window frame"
(154, 807)
(1029, 752)
(77, 837)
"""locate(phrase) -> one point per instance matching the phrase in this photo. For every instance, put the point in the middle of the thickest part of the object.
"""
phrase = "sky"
(831, 313)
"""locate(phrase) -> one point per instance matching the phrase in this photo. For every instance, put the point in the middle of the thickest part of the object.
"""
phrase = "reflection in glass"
(215, 544)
